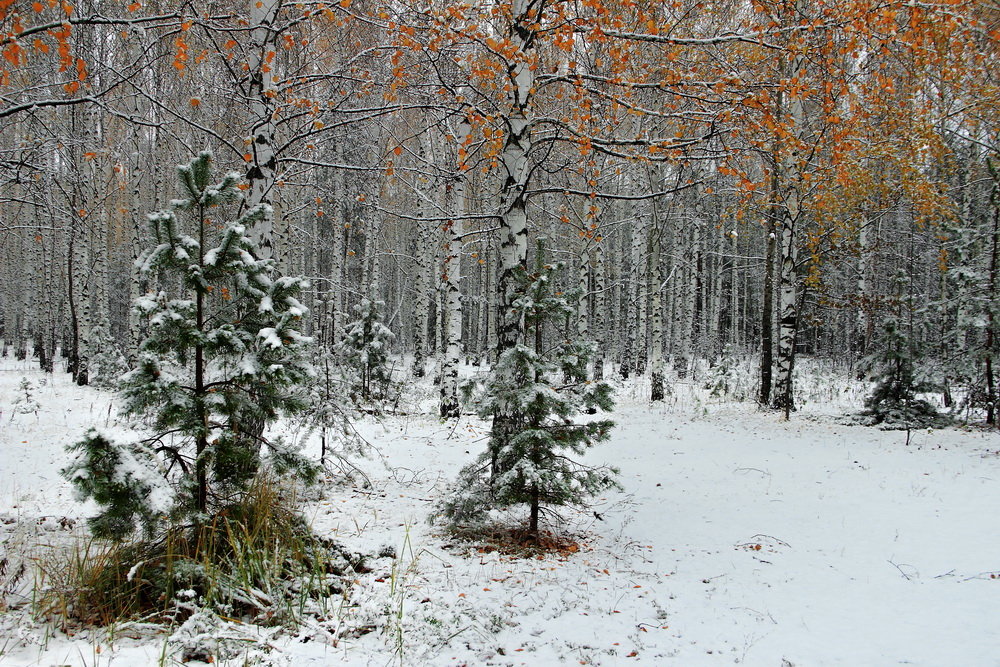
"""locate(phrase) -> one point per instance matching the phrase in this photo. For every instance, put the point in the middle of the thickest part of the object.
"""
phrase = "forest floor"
(738, 538)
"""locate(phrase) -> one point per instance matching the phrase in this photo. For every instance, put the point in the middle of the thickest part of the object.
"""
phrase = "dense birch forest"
(756, 179)
(313, 314)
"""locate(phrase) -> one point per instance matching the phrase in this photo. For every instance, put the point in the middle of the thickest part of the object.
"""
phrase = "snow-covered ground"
(738, 538)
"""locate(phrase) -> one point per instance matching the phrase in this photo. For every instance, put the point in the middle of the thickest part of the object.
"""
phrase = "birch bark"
(262, 168)
(790, 171)
(453, 295)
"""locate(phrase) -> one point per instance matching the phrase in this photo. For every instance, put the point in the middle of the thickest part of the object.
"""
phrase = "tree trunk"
(513, 223)
(991, 389)
(657, 389)
(600, 314)
(261, 172)
(788, 316)
(767, 300)
(453, 295)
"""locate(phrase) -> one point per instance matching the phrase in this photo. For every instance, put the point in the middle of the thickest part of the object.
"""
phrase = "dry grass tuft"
(256, 559)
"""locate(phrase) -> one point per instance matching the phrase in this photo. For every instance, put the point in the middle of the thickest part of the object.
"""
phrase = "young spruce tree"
(541, 387)
(893, 403)
(223, 355)
(365, 351)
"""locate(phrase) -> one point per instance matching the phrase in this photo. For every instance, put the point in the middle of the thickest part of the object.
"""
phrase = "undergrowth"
(255, 560)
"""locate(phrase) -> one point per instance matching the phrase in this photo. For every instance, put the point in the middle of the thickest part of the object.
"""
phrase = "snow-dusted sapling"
(365, 351)
(25, 403)
(223, 356)
(535, 393)
(329, 409)
(106, 359)
(893, 403)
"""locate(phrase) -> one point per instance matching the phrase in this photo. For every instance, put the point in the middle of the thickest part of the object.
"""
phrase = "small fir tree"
(223, 354)
(893, 403)
(540, 389)
(328, 412)
(724, 377)
(365, 351)
(107, 361)
(25, 403)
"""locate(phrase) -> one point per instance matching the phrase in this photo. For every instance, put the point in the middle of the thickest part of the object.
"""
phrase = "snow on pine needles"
(738, 538)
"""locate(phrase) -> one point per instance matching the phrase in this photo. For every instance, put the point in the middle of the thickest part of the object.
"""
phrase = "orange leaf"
(398, 150)
(12, 53)
(37, 6)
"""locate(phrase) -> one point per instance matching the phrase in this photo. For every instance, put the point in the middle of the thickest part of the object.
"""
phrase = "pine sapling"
(223, 353)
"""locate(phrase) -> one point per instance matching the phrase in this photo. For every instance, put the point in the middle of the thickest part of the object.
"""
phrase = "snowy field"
(739, 538)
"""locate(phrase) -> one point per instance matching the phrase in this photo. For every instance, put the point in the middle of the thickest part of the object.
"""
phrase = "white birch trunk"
(262, 168)
(425, 253)
(81, 287)
(864, 322)
(640, 348)
(788, 278)
(137, 220)
(492, 309)
(657, 379)
(687, 294)
(373, 257)
(632, 297)
(733, 324)
(483, 331)
(514, 158)
(337, 306)
(600, 314)
(453, 296)
(716, 273)
(583, 286)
